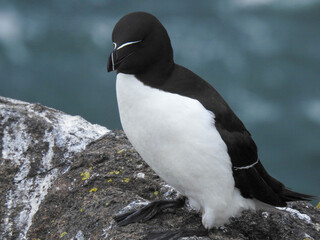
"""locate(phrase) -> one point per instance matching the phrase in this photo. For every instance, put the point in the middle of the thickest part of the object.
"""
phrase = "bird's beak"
(114, 58)
(112, 61)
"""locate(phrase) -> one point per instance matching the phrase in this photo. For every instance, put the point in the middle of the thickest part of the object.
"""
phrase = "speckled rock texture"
(37, 145)
(102, 176)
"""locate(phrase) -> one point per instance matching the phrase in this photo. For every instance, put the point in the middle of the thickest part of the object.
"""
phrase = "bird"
(185, 131)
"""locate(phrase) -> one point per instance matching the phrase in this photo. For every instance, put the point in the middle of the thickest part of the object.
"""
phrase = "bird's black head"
(141, 44)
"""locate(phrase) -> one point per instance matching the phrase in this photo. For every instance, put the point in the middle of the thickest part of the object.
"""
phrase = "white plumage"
(177, 137)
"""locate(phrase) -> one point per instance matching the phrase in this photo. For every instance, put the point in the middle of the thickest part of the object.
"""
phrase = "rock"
(36, 145)
(71, 182)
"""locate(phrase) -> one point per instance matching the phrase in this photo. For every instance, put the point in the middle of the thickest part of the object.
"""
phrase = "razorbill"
(184, 129)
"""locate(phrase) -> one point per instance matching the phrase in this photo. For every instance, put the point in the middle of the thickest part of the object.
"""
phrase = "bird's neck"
(157, 74)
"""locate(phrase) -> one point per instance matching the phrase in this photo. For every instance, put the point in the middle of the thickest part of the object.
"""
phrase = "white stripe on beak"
(128, 43)
(112, 61)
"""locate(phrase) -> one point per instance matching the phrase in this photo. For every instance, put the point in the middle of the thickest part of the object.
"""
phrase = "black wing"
(254, 181)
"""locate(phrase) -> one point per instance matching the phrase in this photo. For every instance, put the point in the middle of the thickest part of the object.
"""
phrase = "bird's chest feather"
(171, 132)
(150, 114)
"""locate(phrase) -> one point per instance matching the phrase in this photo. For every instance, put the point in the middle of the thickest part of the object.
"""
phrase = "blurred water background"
(263, 56)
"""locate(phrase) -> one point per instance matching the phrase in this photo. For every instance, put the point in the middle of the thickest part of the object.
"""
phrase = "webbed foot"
(147, 212)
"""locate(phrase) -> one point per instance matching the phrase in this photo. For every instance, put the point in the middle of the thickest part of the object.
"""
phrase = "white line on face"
(126, 44)
(112, 60)
(121, 46)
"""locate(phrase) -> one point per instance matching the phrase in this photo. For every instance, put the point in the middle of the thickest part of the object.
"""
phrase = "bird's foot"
(173, 235)
(147, 212)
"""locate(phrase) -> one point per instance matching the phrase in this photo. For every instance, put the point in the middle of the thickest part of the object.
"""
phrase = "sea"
(263, 56)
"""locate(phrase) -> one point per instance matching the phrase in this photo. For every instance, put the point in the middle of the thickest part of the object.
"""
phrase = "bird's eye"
(114, 45)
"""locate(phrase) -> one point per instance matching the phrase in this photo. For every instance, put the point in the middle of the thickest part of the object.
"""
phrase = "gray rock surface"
(36, 146)
(63, 180)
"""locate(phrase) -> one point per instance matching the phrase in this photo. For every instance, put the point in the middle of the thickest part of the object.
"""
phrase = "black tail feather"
(290, 196)
(283, 193)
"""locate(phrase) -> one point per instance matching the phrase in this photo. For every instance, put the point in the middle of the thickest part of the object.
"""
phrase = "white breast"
(176, 136)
